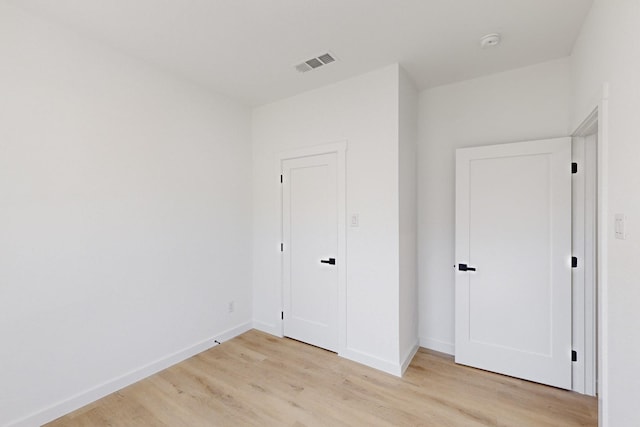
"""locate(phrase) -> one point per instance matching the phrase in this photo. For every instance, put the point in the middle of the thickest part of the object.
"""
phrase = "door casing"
(596, 116)
(584, 153)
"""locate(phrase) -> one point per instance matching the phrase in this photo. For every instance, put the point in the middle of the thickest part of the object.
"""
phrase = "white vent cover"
(317, 62)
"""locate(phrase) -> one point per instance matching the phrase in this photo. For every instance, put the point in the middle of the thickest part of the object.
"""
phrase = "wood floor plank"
(260, 380)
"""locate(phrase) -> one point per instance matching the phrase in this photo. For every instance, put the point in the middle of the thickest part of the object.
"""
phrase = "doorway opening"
(595, 128)
(588, 245)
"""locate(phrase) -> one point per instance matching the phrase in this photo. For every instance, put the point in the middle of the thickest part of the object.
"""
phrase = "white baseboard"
(81, 399)
(437, 345)
(372, 361)
(409, 358)
(268, 328)
(234, 332)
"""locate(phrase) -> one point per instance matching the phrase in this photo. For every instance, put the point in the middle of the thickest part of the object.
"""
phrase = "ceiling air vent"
(326, 58)
(313, 63)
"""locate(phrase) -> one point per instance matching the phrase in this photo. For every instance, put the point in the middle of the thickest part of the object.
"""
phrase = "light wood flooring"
(260, 380)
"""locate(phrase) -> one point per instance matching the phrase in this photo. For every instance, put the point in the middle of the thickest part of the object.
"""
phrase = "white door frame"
(599, 113)
(340, 148)
(584, 281)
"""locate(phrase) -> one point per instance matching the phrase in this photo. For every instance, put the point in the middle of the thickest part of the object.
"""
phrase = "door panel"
(310, 230)
(513, 224)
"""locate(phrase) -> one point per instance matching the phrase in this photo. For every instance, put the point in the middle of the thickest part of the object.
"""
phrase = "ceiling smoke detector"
(490, 40)
(317, 62)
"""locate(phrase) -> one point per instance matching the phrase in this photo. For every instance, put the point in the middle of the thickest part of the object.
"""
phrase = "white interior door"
(513, 226)
(310, 234)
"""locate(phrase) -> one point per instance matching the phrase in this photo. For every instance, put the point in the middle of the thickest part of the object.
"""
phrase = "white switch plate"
(355, 220)
(621, 232)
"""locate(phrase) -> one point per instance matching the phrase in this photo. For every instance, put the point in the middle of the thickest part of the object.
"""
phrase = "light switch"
(355, 220)
(621, 232)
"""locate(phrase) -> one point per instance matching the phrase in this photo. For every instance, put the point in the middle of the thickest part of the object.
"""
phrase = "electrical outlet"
(232, 306)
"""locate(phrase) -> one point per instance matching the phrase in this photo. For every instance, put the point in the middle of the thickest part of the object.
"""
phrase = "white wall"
(407, 169)
(124, 219)
(608, 51)
(523, 104)
(362, 111)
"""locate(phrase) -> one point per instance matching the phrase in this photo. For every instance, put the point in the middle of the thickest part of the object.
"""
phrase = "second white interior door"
(513, 249)
(310, 234)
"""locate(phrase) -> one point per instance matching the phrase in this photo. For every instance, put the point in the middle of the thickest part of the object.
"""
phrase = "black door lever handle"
(331, 261)
(464, 267)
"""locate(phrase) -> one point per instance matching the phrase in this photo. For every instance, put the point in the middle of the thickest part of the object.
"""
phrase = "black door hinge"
(574, 356)
(280, 179)
(574, 168)
(282, 315)
(574, 262)
(281, 247)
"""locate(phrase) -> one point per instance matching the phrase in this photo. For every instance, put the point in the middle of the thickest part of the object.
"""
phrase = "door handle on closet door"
(464, 267)
(331, 261)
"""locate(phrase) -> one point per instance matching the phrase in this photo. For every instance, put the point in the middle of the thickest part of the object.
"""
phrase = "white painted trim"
(591, 298)
(583, 246)
(340, 148)
(268, 328)
(372, 361)
(583, 121)
(438, 345)
(331, 147)
(83, 398)
(603, 259)
(600, 107)
(589, 125)
(233, 332)
(407, 360)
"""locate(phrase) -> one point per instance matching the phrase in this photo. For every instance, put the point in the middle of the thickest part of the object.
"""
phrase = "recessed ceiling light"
(490, 40)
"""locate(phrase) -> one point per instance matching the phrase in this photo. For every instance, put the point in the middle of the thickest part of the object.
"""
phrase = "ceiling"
(247, 49)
